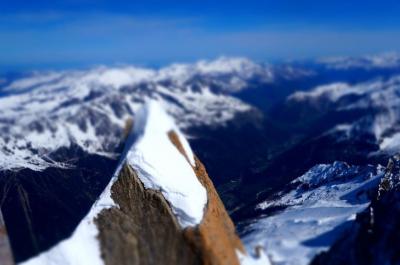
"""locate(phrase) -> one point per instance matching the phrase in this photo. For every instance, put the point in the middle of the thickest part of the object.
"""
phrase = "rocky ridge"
(134, 224)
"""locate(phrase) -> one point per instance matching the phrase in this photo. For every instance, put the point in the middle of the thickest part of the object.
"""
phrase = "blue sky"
(71, 33)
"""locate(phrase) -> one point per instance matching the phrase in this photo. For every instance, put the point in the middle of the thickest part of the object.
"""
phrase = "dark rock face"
(374, 238)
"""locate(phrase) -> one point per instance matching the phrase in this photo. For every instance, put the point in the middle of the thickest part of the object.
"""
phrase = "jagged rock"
(392, 176)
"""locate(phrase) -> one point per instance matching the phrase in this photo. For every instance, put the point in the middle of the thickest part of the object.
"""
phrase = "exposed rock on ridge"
(215, 235)
(160, 207)
(144, 230)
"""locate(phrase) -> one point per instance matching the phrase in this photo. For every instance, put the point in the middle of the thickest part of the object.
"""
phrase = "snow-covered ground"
(318, 209)
(160, 166)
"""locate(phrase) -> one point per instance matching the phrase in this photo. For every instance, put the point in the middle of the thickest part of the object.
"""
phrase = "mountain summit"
(160, 207)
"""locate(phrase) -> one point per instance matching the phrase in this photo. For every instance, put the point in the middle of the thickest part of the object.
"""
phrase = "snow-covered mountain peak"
(330, 91)
(231, 74)
(151, 119)
(119, 76)
(161, 166)
(221, 65)
(89, 109)
(113, 77)
(227, 65)
(380, 61)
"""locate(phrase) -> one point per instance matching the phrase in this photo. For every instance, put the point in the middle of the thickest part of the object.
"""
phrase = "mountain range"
(291, 146)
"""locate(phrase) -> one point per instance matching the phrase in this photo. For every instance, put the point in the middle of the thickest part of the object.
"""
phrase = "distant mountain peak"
(66, 108)
(368, 62)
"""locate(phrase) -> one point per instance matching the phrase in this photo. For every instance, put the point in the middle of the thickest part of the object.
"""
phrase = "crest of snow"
(332, 91)
(160, 165)
(228, 65)
(149, 151)
(391, 144)
(381, 61)
(315, 212)
(335, 91)
(341, 131)
(119, 77)
(233, 72)
(223, 65)
(36, 79)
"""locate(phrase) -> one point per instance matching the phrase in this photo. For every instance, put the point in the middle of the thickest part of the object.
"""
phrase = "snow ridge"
(162, 167)
(381, 61)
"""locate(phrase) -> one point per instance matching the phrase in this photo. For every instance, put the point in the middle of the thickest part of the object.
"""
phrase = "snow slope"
(315, 212)
(160, 166)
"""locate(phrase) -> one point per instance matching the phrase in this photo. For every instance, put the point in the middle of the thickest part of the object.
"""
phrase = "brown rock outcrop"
(215, 237)
(143, 229)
